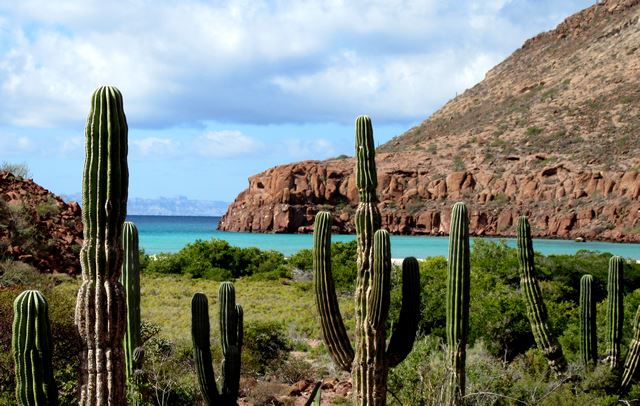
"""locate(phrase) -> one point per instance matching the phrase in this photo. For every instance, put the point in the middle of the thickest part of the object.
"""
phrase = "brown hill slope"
(38, 227)
(553, 131)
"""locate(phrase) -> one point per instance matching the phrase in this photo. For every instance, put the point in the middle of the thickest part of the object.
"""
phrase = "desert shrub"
(266, 344)
(20, 170)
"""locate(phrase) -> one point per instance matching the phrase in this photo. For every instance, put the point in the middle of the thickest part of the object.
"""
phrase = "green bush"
(266, 344)
(217, 260)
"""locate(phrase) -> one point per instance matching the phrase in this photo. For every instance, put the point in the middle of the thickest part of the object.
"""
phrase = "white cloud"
(15, 144)
(71, 145)
(318, 148)
(190, 61)
(154, 147)
(227, 144)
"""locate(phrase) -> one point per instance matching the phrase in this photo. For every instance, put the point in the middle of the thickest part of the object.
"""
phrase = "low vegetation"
(283, 338)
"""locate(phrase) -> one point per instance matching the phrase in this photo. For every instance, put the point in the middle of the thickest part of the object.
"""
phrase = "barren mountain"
(552, 132)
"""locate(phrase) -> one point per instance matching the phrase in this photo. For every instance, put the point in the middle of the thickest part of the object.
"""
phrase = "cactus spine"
(588, 337)
(457, 303)
(231, 332)
(130, 279)
(615, 311)
(632, 360)
(369, 363)
(536, 310)
(32, 348)
(100, 308)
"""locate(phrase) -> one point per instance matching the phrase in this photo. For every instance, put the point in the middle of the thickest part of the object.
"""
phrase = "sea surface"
(171, 233)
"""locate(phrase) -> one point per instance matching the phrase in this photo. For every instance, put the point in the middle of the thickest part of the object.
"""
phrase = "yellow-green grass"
(166, 301)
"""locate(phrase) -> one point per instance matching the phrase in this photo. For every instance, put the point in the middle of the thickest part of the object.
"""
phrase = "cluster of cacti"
(537, 313)
(588, 333)
(231, 336)
(370, 362)
(536, 309)
(458, 281)
(130, 279)
(32, 349)
(100, 308)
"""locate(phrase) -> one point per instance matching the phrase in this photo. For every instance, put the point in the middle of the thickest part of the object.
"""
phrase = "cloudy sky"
(216, 91)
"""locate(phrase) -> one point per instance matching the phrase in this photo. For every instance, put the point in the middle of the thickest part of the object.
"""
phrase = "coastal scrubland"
(283, 342)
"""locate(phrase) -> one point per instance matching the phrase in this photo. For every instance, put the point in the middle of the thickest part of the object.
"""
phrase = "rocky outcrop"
(561, 199)
(37, 227)
(553, 131)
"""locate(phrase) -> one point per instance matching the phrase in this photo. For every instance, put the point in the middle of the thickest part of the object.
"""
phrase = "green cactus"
(315, 397)
(536, 310)
(458, 281)
(231, 336)
(632, 361)
(615, 311)
(32, 347)
(130, 279)
(369, 363)
(100, 309)
(588, 338)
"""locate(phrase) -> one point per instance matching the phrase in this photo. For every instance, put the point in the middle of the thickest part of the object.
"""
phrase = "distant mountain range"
(168, 206)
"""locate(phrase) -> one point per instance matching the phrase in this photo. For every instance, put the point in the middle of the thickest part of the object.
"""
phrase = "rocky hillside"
(553, 132)
(38, 227)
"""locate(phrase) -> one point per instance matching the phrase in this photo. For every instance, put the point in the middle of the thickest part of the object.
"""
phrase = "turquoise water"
(171, 233)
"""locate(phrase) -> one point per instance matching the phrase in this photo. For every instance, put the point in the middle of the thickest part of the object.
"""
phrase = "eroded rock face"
(37, 227)
(561, 200)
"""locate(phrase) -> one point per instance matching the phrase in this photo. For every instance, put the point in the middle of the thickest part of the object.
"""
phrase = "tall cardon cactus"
(458, 281)
(231, 336)
(32, 348)
(615, 311)
(536, 310)
(588, 332)
(130, 279)
(369, 363)
(100, 308)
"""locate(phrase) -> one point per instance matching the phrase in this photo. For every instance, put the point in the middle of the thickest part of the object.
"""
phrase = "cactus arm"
(457, 303)
(201, 351)
(229, 336)
(615, 310)
(333, 329)
(378, 309)
(632, 360)
(32, 346)
(588, 338)
(404, 333)
(536, 309)
(100, 308)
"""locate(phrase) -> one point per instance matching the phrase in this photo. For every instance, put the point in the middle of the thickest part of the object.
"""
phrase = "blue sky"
(216, 91)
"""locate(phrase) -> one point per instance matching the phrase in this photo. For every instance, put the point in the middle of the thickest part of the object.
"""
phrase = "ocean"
(171, 233)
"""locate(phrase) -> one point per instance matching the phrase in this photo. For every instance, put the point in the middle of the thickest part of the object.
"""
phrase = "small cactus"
(231, 332)
(130, 279)
(615, 311)
(457, 303)
(32, 349)
(588, 338)
(536, 310)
